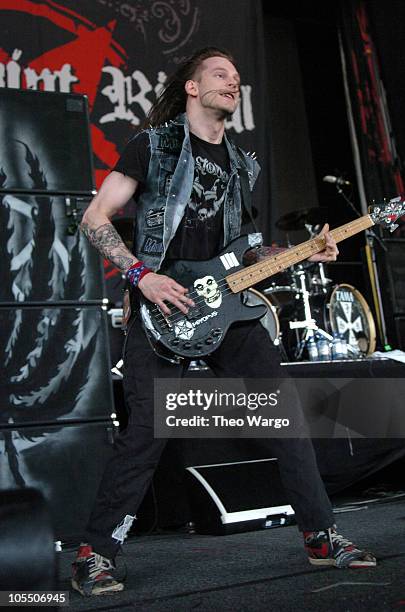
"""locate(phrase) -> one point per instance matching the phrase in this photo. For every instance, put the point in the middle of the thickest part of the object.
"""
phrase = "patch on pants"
(121, 530)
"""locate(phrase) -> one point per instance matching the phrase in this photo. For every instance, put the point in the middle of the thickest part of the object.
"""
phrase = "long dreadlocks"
(173, 97)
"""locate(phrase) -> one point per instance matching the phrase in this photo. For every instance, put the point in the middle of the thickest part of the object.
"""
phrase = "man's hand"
(158, 288)
(330, 251)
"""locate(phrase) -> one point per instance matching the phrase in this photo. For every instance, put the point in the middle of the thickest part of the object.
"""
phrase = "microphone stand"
(371, 237)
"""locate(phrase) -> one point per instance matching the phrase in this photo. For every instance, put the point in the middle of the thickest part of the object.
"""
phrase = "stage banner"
(120, 53)
(378, 164)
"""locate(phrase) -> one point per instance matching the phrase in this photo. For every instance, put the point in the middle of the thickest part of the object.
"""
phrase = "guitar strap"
(244, 185)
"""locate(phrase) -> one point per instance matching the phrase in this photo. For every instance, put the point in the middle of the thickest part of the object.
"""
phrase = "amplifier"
(235, 497)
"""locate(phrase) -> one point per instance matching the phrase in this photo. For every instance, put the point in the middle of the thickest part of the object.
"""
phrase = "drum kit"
(303, 304)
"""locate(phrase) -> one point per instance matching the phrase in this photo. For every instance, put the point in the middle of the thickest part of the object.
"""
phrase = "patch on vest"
(152, 246)
(154, 218)
(171, 142)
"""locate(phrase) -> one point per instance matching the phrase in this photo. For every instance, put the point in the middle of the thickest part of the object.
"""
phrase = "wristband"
(137, 272)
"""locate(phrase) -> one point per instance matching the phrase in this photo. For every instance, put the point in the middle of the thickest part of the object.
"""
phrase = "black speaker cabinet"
(45, 142)
(55, 364)
(235, 497)
(64, 462)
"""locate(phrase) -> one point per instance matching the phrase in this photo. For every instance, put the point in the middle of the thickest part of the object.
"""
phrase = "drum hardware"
(308, 324)
(357, 341)
(321, 281)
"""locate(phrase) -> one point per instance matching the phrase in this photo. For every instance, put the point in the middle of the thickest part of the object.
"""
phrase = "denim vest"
(168, 187)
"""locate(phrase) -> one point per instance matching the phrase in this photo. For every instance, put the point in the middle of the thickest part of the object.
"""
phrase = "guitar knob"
(209, 341)
(199, 346)
(175, 341)
(217, 332)
(187, 345)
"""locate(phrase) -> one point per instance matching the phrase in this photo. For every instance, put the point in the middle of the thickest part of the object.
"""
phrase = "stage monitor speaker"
(27, 542)
(235, 497)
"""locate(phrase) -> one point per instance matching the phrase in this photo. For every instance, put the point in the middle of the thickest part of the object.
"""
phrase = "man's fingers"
(180, 306)
(165, 309)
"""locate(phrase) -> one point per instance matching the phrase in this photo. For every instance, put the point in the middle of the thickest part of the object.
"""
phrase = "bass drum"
(270, 321)
(350, 315)
(343, 310)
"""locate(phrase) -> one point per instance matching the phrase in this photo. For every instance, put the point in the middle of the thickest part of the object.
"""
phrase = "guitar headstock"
(387, 213)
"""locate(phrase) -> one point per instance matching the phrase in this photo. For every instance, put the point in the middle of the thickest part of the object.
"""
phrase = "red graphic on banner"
(91, 48)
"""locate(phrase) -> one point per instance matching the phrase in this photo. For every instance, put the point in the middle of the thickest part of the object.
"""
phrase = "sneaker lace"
(97, 564)
(336, 538)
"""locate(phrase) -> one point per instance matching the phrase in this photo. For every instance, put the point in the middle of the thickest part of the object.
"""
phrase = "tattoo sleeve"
(109, 243)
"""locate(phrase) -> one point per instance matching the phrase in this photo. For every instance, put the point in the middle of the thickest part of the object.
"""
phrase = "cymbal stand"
(371, 258)
(308, 324)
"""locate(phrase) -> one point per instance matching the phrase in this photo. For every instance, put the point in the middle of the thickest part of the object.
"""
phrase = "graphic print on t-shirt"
(209, 188)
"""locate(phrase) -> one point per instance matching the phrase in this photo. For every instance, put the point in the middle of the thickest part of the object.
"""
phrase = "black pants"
(245, 352)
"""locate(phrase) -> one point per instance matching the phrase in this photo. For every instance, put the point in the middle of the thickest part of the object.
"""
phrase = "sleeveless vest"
(161, 204)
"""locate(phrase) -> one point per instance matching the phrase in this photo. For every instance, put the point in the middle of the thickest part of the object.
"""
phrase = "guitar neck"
(243, 279)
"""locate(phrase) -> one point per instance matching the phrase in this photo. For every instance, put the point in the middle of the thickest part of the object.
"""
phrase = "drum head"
(270, 320)
(350, 315)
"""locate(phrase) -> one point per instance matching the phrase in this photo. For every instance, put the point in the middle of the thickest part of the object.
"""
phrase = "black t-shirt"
(200, 233)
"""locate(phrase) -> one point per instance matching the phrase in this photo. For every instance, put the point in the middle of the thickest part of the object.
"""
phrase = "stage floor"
(255, 571)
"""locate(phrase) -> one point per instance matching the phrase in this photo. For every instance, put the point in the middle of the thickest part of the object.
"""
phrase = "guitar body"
(202, 330)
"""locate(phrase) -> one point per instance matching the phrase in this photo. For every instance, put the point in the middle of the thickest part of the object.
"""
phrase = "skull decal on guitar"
(207, 288)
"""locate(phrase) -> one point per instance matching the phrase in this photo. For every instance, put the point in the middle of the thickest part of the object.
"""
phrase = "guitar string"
(223, 282)
(305, 246)
(160, 317)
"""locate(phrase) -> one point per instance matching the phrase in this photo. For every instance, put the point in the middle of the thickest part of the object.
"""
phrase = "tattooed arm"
(114, 193)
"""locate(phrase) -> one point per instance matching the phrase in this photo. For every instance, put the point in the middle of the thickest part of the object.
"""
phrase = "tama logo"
(345, 296)
(204, 319)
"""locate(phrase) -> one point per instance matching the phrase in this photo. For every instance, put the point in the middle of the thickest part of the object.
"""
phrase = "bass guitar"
(217, 287)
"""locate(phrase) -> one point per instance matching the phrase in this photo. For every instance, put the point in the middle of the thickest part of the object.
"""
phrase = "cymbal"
(125, 228)
(297, 219)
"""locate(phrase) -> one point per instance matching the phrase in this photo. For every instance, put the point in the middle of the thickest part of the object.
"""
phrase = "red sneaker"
(92, 573)
(330, 548)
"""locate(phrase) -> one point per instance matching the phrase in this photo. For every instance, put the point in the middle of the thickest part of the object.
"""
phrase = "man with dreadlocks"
(184, 173)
